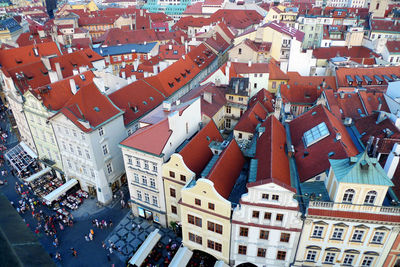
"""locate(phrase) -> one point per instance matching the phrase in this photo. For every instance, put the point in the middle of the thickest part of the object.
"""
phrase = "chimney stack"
(73, 86)
(166, 106)
(53, 76)
(58, 70)
(250, 63)
(392, 161)
(207, 96)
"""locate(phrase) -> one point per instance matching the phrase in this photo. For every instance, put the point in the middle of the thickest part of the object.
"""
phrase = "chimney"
(123, 75)
(82, 69)
(166, 106)
(183, 39)
(123, 65)
(369, 143)
(73, 86)
(141, 12)
(75, 72)
(178, 102)
(207, 96)
(155, 69)
(135, 64)
(186, 47)
(99, 82)
(227, 67)
(236, 86)
(46, 62)
(170, 47)
(341, 94)
(53, 76)
(250, 62)
(392, 161)
(375, 148)
(58, 70)
(338, 136)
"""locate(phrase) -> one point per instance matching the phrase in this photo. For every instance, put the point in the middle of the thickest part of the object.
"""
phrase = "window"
(311, 255)
(154, 167)
(275, 197)
(240, 51)
(87, 154)
(261, 252)
(190, 219)
(281, 255)
(267, 216)
(197, 221)
(146, 165)
(155, 201)
(71, 148)
(378, 237)
(228, 109)
(146, 197)
(144, 180)
(109, 168)
(315, 134)
(105, 149)
(79, 151)
(273, 85)
(172, 192)
(242, 250)
(195, 238)
(214, 245)
(256, 214)
(197, 201)
(218, 228)
(139, 195)
(183, 178)
(215, 227)
(211, 206)
(101, 131)
(171, 174)
(173, 209)
(92, 173)
(152, 183)
(330, 257)
(368, 260)
(264, 234)
(240, 99)
(318, 230)
(357, 236)
(348, 259)
(348, 196)
(227, 123)
(285, 237)
(136, 177)
(137, 163)
(230, 97)
(337, 233)
(244, 231)
(279, 217)
(265, 196)
(370, 198)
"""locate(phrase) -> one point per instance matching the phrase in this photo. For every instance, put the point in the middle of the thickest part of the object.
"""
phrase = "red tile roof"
(171, 52)
(89, 105)
(195, 8)
(385, 25)
(342, 51)
(316, 161)
(196, 162)
(342, 73)
(380, 217)
(266, 98)
(151, 139)
(10, 58)
(28, 38)
(33, 76)
(273, 162)
(345, 104)
(283, 28)
(226, 30)
(251, 118)
(218, 43)
(227, 169)
(60, 92)
(258, 47)
(81, 43)
(393, 46)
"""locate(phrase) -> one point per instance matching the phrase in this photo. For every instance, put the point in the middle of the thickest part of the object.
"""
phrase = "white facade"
(93, 158)
(143, 169)
(299, 61)
(270, 208)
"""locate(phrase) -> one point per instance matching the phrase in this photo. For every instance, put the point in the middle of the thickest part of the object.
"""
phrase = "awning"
(34, 176)
(144, 250)
(59, 191)
(182, 257)
(221, 264)
(20, 156)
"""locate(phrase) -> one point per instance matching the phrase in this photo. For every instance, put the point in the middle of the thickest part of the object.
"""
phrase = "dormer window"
(348, 196)
(370, 198)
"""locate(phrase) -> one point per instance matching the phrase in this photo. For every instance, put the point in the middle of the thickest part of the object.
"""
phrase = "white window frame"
(318, 231)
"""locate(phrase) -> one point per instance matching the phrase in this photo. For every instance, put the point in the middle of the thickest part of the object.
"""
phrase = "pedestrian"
(87, 238)
(122, 204)
(110, 223)
(110, 249)
(108, 257)
(58, 256)
(93, 223)
(74, 253)
(91, 231)
(61, 226)
(103, 245)
(90, 236)
(97, 223)
(54, 243)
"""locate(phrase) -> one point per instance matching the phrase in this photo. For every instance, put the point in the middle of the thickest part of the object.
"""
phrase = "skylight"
(315, 134)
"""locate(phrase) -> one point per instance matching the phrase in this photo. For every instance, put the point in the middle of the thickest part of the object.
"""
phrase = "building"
(354, 226)
(147, 149)
(10, 30)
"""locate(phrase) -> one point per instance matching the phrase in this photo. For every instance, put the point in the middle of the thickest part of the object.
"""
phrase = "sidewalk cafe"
(22, 159)
(145, 249)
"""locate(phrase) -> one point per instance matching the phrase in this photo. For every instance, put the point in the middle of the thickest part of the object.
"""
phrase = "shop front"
(148, 215)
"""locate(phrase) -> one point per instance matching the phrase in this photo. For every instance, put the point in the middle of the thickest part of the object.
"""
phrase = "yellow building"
(184, 166)
(237, 96)
(91, 6)
(206, 202)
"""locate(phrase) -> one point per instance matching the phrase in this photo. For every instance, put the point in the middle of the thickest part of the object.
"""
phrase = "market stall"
(145, 248)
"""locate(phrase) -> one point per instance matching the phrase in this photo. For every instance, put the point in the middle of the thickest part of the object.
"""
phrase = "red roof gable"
(251, 118)
(313, 160)
(33, 75)
(227, 169)
(266, 98)
(196, 162)
(386, 25)
(393, 46)
(354, 215)
(27, 38)
(343, 51)
(343, 73)
(273, 163)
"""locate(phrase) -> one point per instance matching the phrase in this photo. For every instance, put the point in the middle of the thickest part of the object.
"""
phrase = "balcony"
(388, 210)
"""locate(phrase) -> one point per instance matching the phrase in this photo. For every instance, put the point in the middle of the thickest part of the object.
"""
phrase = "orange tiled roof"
(31, 75)
(196, 162)
(342, 73)
(227, 169)
(251, 118)
(265, 97)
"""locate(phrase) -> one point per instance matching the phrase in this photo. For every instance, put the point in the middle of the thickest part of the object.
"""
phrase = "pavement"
(89, 253)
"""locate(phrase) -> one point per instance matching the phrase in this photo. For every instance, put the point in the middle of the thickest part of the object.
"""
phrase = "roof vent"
(96, 109)
(364, 164)
(82, 77)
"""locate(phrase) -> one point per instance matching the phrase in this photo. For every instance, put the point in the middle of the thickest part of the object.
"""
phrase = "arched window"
(370, 197)
(348, 196)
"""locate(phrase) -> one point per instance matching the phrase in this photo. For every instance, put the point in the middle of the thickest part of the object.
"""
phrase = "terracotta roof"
(275, 73)
(237, 18)
(196, 162)
(55, 95)
(218, 43)
(345, 104)
(251, 118)
(81, 43)
(226, 30)
(195, 8)
(393, 46)
(89, 105)
(33, 75)
(266, 98)
(305, 89)
(342, 51)
(380, 217)
(218, 99)
(343, 73)
(227, 169)
(28, 38)
(258, 47)
(273, 162)
(385, 25)
(98, 20)
(24, 55)
(136, 99)
(313, 160)
(283, 28)
(174, 53)
(151, 139)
